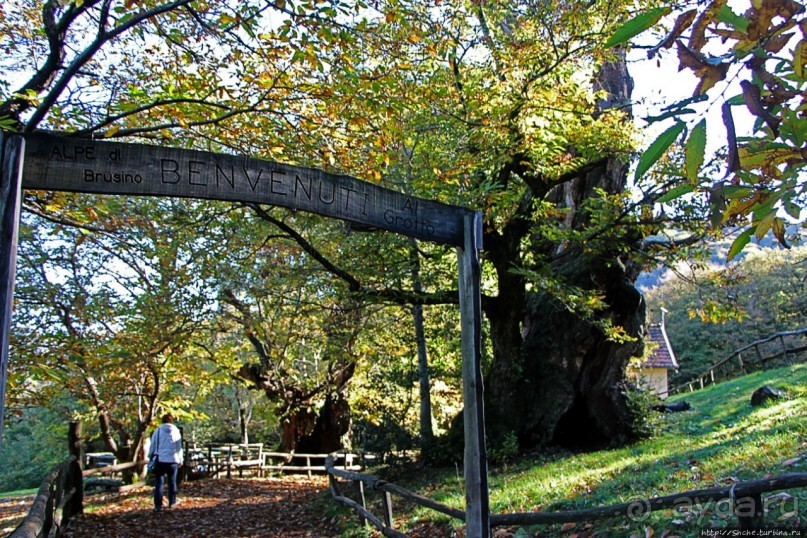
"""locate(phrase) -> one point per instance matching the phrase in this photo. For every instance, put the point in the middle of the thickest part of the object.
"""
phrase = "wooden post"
(74, 441)
(759, 356)
(386, 505)
(740, 361)
(12, 152)
(360, 486)
(749, 510)
(477, 507)
(784, 350)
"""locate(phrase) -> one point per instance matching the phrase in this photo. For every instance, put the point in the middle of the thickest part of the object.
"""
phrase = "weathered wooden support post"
(750, 512)
(12, 151)
(75, 480)
(74, 441)
(363, 500)
(477, 505)
(740, 362)
(386, 505)
(784, 350)
(759, 356)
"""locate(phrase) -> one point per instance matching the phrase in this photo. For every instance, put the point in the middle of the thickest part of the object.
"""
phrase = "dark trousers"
(165, 472)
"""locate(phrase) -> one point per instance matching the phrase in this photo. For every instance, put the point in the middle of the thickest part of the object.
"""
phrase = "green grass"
(720, 441)
(18, 493)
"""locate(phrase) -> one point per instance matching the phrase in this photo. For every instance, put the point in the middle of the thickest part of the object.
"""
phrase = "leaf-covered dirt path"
(287, 507)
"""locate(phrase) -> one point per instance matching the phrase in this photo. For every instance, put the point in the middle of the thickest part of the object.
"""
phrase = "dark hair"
(168, 418)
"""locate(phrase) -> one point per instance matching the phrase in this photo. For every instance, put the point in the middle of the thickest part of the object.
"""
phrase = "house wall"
(652, 379)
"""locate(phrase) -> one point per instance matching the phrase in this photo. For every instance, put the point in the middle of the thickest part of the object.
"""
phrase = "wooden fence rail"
(724, 367)
(746, 497)
(60, 497)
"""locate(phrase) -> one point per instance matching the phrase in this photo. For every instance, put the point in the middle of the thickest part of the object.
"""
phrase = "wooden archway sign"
(49, 162)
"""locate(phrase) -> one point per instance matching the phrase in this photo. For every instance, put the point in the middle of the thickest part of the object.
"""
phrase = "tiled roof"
(662, 356)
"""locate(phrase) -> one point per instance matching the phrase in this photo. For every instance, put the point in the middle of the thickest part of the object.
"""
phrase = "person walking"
(166, 448)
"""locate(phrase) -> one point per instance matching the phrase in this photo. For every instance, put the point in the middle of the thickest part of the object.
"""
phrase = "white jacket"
(166, 443)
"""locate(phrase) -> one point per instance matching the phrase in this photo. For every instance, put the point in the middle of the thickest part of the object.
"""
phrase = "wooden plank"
(12, 149)
(67, 164)
(477, 505)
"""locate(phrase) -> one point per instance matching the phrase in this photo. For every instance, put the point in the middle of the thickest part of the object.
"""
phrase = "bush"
(646, 421)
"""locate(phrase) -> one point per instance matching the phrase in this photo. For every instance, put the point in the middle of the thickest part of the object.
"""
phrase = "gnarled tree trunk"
(555, 376)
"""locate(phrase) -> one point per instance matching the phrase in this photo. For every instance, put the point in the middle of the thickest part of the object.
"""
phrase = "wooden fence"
(746, 498)
(60, 497)
(134, 466)
(737, 364)
(217, 458)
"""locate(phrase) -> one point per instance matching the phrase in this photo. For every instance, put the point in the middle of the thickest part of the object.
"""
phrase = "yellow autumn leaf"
(800, 58)
(770, 157)
(764, 225)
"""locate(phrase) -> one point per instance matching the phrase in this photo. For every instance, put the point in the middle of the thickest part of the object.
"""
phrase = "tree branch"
(88, 53)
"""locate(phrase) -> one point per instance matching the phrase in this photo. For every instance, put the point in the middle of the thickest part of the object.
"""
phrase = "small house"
(651, 372)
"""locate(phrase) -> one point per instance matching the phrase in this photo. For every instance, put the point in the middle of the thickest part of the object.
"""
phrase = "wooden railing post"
(74, 440)
(386, 505)
(784, 350)
(360, 486)
(740, 361)
(74, 480)
(749, 511)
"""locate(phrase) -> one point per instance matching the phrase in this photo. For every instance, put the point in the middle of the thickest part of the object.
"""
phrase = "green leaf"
(793, 209)
(730, 18)
(676, 192)
(695, 149)
(636, 26)
(739, 244)
(669, 114)
(7, 123)
(657, 149)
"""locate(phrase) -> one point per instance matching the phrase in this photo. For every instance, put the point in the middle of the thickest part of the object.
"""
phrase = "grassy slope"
(721, 440)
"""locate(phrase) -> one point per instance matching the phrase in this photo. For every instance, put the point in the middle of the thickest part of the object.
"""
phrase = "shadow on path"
(287, 507)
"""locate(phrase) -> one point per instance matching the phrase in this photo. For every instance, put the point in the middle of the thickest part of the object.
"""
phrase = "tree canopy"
(519, 109)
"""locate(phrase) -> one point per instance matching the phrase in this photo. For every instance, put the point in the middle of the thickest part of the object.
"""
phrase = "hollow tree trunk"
(555, 377)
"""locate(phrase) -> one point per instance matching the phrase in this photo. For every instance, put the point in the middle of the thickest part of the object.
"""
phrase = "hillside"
(720, 441)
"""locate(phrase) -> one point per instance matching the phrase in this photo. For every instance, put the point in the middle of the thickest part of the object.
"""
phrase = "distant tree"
(108, 314)
(766, 290)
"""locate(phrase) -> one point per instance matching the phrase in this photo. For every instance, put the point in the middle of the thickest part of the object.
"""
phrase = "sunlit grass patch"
(720, 441)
